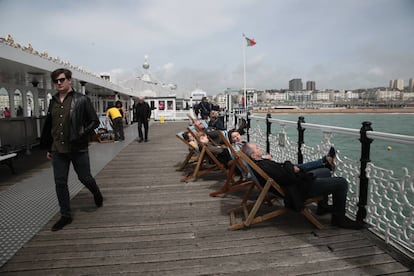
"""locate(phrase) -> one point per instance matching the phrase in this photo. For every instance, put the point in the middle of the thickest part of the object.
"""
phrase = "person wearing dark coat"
(300, 185)
(70, 121)
(215, 121)
(204, 108)
(142, 114)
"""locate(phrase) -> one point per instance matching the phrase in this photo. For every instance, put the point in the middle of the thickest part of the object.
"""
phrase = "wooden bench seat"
(7, 160)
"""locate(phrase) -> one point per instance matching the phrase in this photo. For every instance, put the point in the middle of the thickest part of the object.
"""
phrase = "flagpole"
(244, 73)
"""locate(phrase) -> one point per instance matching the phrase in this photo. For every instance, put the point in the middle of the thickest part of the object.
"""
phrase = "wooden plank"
(151, 224)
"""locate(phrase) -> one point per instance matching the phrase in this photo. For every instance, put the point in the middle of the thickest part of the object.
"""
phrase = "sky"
(339, 44)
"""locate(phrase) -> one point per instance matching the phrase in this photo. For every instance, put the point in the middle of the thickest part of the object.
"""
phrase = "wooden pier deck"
(153, 224)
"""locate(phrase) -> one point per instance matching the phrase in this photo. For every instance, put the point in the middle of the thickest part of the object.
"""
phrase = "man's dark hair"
(185, 136)
(57, 72)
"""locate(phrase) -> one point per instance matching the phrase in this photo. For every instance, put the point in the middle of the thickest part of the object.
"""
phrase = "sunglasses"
(61, 80)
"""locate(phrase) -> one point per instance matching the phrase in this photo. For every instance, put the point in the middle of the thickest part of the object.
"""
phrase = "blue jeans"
(61, 163)
(325, 185)
(311, 165)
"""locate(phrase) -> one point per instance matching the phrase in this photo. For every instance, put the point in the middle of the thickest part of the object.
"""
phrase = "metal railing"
(375, 196)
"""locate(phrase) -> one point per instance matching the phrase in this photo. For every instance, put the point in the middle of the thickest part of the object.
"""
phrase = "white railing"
(390, 200)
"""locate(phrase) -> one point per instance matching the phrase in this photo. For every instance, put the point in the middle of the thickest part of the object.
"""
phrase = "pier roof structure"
(153, 224)
(23, 66)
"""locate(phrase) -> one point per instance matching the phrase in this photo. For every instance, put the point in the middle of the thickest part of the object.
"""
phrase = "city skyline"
(338, 44)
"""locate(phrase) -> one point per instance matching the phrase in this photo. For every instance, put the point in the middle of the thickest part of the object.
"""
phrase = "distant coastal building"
(391, 86)
(397, 84)
(310, 86)
(295, 85)
(411, 85)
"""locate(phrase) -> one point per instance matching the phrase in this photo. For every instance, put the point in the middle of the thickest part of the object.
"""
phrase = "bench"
(7, 160)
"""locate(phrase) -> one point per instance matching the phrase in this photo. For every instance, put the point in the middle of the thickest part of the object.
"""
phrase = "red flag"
(250, 41)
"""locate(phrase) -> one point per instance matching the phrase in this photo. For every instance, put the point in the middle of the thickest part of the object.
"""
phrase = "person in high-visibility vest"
(114, 115)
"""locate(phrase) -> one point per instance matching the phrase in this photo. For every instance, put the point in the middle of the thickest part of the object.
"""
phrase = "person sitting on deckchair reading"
(299, 185)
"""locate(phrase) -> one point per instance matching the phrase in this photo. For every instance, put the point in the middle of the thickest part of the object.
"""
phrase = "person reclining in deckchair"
(212, 133)
(220, 151)
(325, 162)
(300, 185)
(215, 121)
(190, 139)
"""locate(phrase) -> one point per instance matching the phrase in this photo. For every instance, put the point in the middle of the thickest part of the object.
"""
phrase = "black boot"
(97, 196)
(324, 208)
(345, 222)
(61, 223)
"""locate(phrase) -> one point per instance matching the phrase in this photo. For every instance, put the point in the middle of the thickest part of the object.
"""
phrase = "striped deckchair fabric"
(235, 165)
(206, 160)
(191, 157)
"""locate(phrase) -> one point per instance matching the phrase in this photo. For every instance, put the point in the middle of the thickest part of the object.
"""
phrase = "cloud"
(339, 44)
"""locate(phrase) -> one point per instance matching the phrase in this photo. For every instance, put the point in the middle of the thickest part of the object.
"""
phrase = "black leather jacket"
(83, 121)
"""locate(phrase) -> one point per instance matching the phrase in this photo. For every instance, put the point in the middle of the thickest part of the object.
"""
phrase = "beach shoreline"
(337, 110)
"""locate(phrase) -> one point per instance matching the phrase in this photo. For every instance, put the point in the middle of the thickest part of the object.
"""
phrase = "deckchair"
(191, 119)
(206, 161)
(192, 153)
(235, 164)
(250, 210)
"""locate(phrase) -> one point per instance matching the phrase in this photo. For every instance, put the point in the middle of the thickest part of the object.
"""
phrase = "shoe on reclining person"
(62, 222)
(332, 152)
(328, 160)
(346, 223)
(324, 209)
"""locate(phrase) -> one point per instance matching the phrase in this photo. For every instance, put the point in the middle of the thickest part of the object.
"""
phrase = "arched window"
(30, 103)
(4, 100)
(18, 103)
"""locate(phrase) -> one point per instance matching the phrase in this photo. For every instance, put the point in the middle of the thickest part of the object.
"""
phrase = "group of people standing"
(7, 112)
(70, 121)
(116, 115)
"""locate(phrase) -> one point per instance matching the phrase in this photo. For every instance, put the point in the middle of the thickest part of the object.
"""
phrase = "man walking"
(142, 112)
(69, 122)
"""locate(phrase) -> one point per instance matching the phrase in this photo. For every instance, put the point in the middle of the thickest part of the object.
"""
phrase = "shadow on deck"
(151, 223)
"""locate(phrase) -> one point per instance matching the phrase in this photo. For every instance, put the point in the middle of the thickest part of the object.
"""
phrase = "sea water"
(388, 155)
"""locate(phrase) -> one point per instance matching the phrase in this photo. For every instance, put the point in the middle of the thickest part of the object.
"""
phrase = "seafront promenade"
(338, 110)
(153, 224)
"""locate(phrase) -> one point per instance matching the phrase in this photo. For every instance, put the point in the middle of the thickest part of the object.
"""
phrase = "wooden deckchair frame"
(230, 184)
(191, 153)
(204, 153)
(191, 119)
(250, 210)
